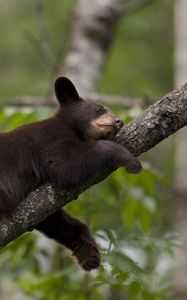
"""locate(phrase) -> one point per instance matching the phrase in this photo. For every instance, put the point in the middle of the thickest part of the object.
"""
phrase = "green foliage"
(11, 118)
(32, 43)
(139, 62)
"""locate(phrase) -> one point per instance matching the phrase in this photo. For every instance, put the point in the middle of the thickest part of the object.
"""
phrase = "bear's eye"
(100, 110)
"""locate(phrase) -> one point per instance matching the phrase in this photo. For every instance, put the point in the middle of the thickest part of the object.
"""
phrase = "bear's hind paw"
(87, 254)
(134, 166)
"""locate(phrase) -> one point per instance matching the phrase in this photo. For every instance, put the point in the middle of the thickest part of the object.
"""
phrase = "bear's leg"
(88, 162)
(73, 234)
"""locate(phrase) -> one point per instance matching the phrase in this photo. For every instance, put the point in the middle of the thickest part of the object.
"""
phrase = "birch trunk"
(180, 276)
(93, 30)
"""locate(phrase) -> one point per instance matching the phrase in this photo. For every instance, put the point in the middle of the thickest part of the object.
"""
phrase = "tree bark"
(180, 274)
(160, 120)
(93, 30)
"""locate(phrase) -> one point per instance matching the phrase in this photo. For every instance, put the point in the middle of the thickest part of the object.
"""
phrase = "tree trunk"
(93, 30)
(180, 276)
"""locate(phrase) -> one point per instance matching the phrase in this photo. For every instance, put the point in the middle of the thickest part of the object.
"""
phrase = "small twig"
(134, 6)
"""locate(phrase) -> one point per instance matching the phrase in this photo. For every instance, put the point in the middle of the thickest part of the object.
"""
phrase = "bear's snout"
(119, 123)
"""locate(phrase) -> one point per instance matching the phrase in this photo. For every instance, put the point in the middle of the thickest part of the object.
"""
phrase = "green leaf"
(130, 212)
(147, 209)
(134, 289)
(145, 218)
(111, 235)
(123, 261)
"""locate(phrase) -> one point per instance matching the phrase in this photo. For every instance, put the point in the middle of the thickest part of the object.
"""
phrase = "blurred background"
(126, 54)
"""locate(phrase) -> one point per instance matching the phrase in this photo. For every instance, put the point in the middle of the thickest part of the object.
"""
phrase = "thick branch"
(160, 120)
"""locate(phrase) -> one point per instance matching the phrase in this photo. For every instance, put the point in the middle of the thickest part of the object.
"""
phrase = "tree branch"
(160, 120)
(134, 6)
(30, 101)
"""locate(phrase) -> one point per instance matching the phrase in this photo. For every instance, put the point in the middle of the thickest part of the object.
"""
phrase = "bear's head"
(89, 119)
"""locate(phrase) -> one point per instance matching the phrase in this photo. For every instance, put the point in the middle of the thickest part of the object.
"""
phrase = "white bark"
(180, 276)
(180, 42)
(93, 30)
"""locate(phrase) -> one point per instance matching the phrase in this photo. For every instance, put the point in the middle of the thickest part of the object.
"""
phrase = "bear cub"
(72, 149)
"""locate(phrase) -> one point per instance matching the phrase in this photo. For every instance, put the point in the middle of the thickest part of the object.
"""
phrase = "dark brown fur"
(70, 149)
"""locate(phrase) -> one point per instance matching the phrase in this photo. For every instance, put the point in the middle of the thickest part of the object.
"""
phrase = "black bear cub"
(71, 149)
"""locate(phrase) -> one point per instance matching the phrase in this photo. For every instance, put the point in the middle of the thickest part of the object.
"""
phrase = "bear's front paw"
(134, 166)
(87, 254)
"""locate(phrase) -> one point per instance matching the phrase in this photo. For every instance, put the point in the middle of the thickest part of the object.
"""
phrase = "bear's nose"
(119, 123)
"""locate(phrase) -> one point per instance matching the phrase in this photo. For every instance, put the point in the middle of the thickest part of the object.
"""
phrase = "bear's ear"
(65, 90)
